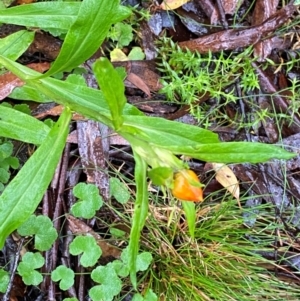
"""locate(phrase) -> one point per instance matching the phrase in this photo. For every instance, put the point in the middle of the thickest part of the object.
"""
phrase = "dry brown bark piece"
(262, 11)
(210, 10)
(93, 145)
(235, 38)
(231, 6)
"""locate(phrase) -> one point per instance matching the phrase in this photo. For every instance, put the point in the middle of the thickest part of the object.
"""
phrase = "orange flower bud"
(186, 186)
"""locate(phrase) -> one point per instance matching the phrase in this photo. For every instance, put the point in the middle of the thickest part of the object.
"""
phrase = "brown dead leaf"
(172, 4)
(226, 177)
(78, 227)
(9, 81)
(235, 38)
(56, 111)
(139, 83)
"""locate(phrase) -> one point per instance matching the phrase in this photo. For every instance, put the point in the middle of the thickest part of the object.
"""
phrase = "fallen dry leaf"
(236, 38)
(226, 177)
(172, 4)
(9, 81)
(139, 83)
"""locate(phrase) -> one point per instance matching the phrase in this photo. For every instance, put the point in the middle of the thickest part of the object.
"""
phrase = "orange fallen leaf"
(172, 4)
(226, 177)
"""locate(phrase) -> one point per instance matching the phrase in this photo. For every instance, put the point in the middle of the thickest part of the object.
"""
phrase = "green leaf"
(53, 14)
(160, 175)
(149, 296)
(89, 200)
(6, 149)
(139, 215)
(137, 297)
(41, 226)
(23, 194)
(234, 152)
(88, 246)
(20, 126)
(111, 283)
(4, 280)
(27, 266)
(70, 299)
(89, 102)
(86, 34)
(4, 175)
(15, 44)
(169, 133)
(13, 162)
(136, 54)
(118, 190)
(143, 260)
(190, 214)
(64, 275)
(117, 232)
(122, 33)
(113, 89)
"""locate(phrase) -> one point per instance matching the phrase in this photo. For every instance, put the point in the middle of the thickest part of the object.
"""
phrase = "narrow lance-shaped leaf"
(87, 33)
(16, 44)
(190, 215)
(113, 89)
(87, 101)
(54, 14)
(23, 194)
(234, 152)
(167, 133)
(140, 214)
(17, 125)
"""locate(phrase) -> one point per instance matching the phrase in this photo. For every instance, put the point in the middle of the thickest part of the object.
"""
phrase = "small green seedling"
(4, 280)
(42, 227)
(7, 161)
(64, 275)
(118, 190)
(89, 200)
(86, 245)
(27, 266)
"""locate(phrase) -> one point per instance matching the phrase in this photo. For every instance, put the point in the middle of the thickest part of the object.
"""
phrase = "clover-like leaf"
(122, 33)
(4, 280)
(111, 284)
(119, 190)
(88, 246)
(42, 227)
(89, 200)
(149, 296)
(121, 268)
(64, 275)
(142, 262)
(26, 268)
